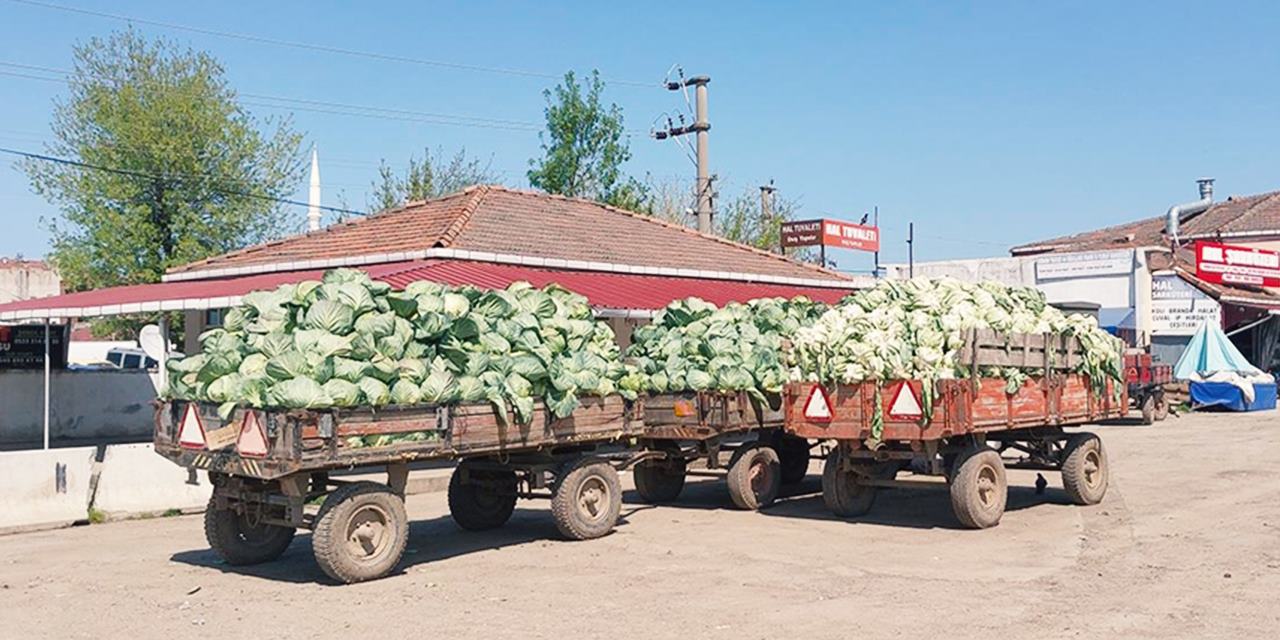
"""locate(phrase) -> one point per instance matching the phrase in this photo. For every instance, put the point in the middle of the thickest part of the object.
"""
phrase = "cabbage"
(348, 341)
(694, 346)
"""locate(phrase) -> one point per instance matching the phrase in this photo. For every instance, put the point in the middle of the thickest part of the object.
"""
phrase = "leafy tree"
(742, 219)
(585, 146)
(191, 173)
(435, 175)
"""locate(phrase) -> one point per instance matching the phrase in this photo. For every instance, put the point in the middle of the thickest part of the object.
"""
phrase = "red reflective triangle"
(818, 407)
(191, 435)
(905, 404)
(252, 442)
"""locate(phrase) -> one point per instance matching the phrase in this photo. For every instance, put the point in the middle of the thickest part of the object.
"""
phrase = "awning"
(607, 291)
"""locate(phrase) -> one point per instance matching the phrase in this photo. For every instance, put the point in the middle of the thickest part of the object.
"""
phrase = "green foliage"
(203, 169)
(585, 146)
(744, 220)
(433, 176)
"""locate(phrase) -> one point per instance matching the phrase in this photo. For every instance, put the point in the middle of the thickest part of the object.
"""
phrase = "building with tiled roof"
(526, 226)
(1238, 220)
(627, 265)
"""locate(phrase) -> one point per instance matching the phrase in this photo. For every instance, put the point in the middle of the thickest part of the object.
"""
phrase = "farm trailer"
(976, 428)
(271, 473)
(683, 428)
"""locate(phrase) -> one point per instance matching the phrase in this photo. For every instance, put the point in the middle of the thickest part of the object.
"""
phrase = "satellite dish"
(153, 342)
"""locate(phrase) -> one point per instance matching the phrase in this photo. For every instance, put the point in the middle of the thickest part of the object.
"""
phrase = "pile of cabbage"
(694, 346)
(914, 329)
(348, 341)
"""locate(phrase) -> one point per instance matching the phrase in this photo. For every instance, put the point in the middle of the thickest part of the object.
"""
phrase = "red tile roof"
(606, 290)
(1242, 215)
(524, 223)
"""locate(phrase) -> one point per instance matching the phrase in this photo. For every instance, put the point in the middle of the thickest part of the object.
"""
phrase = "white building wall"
(20, 280)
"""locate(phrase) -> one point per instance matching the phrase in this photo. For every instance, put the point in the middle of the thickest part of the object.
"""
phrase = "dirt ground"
(1186, 545)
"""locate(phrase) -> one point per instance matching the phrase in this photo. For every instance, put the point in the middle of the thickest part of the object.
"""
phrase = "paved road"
(1186, 545)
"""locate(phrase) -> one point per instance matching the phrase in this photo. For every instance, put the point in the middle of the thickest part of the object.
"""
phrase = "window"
(213, 317)
(116, 358)
(132, 361)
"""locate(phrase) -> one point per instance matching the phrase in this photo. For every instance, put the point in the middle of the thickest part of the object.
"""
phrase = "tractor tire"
(979, 489)
(842, 490)
(659, 481)
(754, 476)
(587, 499)
(1085, 471)
(481, 499)
(793, 458)
(361, 532)
(239, 541)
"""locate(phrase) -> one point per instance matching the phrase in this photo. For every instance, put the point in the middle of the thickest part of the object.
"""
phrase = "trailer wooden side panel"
(301, 440)
(960, 407)
(704, 414)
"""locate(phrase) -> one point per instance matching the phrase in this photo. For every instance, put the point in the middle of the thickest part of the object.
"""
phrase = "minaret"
(313, 198)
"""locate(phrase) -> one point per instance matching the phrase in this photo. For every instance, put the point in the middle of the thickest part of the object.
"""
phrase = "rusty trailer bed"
(975, 428)
(314, 440)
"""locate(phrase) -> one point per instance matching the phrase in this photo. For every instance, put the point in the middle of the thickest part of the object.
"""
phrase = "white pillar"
(164, 353)
(313, 197)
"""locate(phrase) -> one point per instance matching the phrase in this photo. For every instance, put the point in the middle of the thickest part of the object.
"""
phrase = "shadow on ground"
(925, 508)
(430, 540)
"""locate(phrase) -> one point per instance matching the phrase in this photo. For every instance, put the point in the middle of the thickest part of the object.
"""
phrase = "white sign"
(905, 405)
(1178, 309)
(1084, 265)
(818, 407)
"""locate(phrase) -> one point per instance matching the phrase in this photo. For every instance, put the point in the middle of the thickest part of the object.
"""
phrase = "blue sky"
(987, 124)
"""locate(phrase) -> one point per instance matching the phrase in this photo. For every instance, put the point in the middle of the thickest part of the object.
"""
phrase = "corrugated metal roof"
(603, 289)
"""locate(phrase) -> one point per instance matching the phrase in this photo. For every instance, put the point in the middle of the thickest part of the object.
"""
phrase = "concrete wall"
(41, 489)
(21, 280)
(94, 406)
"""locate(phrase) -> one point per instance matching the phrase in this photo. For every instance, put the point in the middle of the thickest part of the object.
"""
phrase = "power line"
(320, 47)
(348, 109)
(150, 176)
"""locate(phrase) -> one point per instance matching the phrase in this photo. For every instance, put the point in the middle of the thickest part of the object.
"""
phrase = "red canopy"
(605, 290)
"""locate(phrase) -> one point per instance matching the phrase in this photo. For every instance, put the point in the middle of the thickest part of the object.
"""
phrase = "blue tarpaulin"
(1210, 351)
(1230, 396)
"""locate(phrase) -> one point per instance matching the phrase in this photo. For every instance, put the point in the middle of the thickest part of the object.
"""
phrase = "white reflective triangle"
(191, 435)
(905, 404)
(817, 408)
(252, 442)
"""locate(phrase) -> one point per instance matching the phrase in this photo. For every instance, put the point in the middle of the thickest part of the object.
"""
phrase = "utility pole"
(700, 127)
(766, 210)
(911, 249)
(876, 259)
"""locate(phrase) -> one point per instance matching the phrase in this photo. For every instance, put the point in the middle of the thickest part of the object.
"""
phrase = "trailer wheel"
(240, 540)
(587, 499)
(793, 457)
(979, 490)
(481, 499)
(754, 476)
(659, 481)
(1162, 406)
(361, 531)
(842, 490)
(1085, 473)
(1148, 407)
